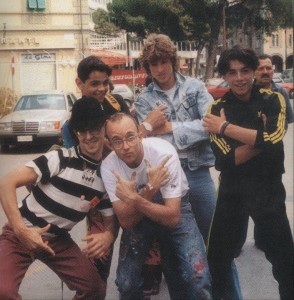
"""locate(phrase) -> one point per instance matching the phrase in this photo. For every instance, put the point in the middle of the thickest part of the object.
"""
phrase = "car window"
(119, 90)
(223, 84)
(70, 102)
(54, 102)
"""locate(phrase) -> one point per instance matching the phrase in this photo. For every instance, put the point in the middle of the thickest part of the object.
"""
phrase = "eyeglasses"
(83, 133)
(131, 140)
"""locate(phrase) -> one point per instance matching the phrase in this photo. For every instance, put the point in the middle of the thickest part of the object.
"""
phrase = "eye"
(131, 138)
(117, 142)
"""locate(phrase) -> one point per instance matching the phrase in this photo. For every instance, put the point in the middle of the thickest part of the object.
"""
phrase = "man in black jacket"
(246, 128)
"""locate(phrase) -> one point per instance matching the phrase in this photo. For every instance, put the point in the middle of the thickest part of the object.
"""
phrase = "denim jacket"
(185, 112)
(289, 110)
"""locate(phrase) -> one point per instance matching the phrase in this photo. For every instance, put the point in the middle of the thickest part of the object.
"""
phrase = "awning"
(111, 58)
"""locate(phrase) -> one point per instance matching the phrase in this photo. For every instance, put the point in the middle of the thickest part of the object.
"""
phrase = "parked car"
(123, 90)
(126, 93)
(213, 81)
(37, 118)
(219, 90)
(287, 75)
(288, 86)
(277, 78)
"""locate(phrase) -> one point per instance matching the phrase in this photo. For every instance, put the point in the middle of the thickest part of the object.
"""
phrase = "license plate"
(25, 138)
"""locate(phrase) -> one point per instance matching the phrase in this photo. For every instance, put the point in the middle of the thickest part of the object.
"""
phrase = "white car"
(37, 118)
(123, 90)
(127, 94)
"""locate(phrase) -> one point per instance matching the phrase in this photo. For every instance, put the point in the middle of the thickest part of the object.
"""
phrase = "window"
(37, 4)
(275, 40)
(290, 40)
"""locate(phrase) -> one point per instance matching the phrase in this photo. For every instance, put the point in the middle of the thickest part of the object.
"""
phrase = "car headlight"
(50, 125)
(5, 126)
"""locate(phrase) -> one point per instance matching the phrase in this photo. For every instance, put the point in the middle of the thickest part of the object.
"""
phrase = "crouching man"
(67, 185)
(149, 194)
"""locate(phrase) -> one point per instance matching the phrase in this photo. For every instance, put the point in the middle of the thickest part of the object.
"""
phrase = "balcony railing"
(99, 42)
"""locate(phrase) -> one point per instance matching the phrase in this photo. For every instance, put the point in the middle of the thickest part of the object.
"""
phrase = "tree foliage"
(103, 25)
(200, 20)
(146, 16)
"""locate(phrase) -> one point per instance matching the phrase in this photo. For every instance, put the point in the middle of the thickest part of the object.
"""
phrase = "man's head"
(123, 134)
(265, 71)
(237, 65)
(159, 59)
(87, 126)
(93, 77)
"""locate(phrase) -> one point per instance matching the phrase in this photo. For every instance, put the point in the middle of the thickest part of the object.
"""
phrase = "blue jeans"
(184, 261)
(202, 196)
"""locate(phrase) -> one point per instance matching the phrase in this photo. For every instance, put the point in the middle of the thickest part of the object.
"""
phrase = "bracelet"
(223, 128)
(220, 126)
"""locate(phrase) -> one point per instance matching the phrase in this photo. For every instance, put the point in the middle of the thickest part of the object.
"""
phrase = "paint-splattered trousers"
(184, 261)
(72, 267)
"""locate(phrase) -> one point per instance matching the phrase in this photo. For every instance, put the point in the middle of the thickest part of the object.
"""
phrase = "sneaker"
(153, 291)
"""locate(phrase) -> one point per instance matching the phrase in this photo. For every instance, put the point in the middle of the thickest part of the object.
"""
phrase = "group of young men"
(151, 177)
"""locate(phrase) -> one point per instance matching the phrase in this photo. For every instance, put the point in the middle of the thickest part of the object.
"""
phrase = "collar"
(180, 79)
(89, 161)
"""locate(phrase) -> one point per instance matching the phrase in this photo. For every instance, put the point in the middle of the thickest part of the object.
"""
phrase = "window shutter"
(41, 4)
(32, 4)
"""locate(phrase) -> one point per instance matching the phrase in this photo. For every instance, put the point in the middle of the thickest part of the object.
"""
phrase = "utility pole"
(224, 26)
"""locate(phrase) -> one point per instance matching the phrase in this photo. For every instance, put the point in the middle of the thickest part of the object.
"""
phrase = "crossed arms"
(132, 206)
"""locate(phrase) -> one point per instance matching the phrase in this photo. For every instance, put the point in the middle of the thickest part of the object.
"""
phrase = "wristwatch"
(147, 126)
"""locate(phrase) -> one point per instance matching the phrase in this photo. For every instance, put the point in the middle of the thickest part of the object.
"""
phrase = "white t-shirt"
(155, 150)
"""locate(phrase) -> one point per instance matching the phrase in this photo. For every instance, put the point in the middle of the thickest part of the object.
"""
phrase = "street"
(255, 274)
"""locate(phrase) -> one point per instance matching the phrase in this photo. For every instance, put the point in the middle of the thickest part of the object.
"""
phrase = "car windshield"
(51, 102)
(119, 89)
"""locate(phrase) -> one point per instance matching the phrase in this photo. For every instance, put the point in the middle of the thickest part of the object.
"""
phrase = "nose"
(239, 75)
(125, 144)
(101, 87)
(88, 134)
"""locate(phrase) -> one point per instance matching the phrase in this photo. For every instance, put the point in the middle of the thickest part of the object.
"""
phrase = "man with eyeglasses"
(149, 193)
(66, 185)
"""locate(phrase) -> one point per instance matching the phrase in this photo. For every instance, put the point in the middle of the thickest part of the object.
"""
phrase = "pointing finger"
(116, 175)
(45, 229)
(133, 177)
(165, 160)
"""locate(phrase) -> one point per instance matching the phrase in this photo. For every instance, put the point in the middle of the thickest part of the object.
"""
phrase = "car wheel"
(291, 94)
(4, 148)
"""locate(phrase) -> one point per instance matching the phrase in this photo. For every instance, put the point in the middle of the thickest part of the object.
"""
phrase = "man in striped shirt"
(67, 185)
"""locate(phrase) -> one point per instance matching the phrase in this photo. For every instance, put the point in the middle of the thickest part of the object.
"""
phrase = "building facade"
(41, 42)
(279, 45)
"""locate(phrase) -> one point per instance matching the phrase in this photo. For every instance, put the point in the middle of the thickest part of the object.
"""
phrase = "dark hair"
(86, 114)
(265, 56)
(89, 64)
(246, 56)
(117, 117)
(156, 47)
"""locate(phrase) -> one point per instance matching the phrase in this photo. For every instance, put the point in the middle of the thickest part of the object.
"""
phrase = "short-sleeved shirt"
(155, 150)
(68, 185)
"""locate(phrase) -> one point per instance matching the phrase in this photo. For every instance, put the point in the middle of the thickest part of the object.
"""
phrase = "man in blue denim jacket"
(172, 107)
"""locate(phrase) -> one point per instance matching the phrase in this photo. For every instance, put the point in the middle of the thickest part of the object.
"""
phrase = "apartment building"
(41, 42)
(279, 45)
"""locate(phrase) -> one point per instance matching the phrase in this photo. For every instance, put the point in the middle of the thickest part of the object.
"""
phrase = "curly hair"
(158, 47)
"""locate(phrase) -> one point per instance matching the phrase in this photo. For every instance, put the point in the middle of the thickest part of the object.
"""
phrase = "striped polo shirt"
(68, 185)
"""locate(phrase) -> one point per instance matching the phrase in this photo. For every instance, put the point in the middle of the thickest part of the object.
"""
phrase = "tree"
(103, 25)
(146, 16)
(200, 20)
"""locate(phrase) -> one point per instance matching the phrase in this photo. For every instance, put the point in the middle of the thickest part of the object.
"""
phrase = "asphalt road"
(257, 282)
